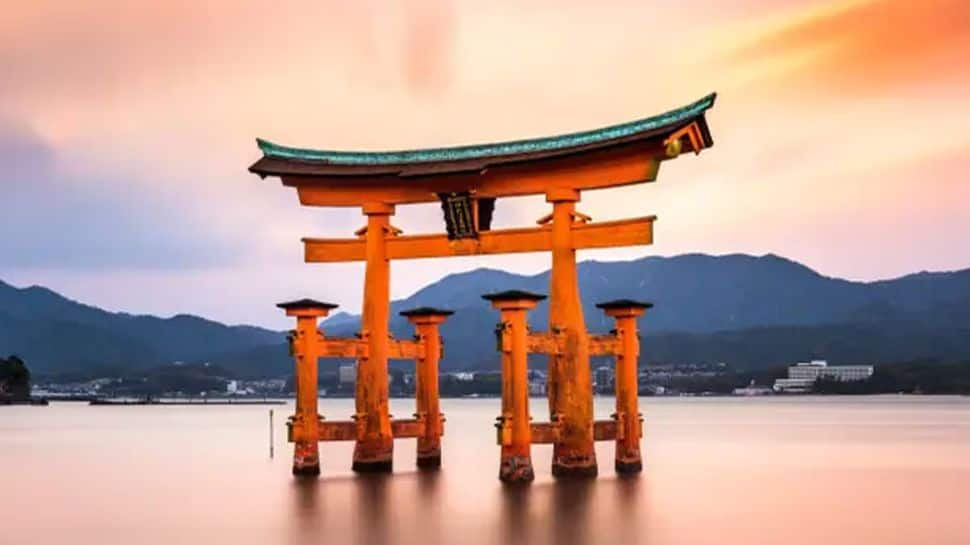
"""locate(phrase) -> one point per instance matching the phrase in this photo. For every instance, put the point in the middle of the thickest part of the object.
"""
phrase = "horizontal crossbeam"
(544, 433)
(338, 430)
(548, 343)
(411, 427)
(604, 430)
(347, 430)
(342, 348)
(607, 234)
(397, 349)
(605, 345)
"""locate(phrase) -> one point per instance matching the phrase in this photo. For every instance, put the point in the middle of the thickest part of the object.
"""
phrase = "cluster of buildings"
(653, 380)
(802, 376)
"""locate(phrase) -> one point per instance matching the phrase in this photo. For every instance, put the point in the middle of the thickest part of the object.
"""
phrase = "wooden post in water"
(629, 422)
(428, 407)
(570, 383)
(305, 343)
(514, 426)
(374, 449)
(271, 434)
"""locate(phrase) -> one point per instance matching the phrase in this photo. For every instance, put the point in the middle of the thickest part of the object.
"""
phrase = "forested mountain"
(744, 310)
(55, 334)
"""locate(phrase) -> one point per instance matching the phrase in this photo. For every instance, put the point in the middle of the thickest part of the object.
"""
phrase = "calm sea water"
(879, 470)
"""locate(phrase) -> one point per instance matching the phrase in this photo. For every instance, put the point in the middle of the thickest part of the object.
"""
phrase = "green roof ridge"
(547, 143)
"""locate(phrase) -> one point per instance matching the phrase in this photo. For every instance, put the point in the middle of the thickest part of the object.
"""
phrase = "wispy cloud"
(859, 46)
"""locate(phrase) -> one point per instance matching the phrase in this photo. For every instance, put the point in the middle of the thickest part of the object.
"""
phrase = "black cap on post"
(623, 303)
(513, 295)
(306, 303)
(426, 311)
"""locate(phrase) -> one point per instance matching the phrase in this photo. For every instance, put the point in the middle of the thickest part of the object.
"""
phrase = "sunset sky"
(842, 133)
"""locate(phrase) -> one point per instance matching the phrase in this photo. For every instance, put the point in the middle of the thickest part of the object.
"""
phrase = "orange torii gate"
(466, 181)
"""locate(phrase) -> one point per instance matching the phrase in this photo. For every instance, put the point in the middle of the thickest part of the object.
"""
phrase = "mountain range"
(748, 311)
(54, 334)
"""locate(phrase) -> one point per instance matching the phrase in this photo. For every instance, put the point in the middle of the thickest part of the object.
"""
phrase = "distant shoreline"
(277, 401)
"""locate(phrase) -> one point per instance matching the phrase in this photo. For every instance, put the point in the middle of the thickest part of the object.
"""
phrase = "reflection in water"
(515, 513)
(571, 511)
(372, 516)
(627, 491)
(429, 509)
(307, 512)
(718, 471)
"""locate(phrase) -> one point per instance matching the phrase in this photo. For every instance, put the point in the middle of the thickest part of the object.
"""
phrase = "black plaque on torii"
(459, 211)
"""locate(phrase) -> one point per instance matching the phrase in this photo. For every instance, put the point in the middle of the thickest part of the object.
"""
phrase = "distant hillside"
(744, 310)
(740, 309)
(55, 334)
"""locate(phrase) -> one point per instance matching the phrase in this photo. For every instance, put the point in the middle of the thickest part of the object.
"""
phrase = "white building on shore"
(347, 374)
(802, 376)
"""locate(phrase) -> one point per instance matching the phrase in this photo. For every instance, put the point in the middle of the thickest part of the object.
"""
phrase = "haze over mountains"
(739, 309)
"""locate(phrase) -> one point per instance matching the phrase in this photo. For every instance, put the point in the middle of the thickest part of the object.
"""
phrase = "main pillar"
(374, 449)
(514, 426)
(426, 321)
(570, 382)
(629, 422)
(305, 346)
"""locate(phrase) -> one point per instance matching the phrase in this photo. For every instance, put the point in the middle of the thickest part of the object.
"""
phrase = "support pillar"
(570, 381)
(426, 321)
(305, 346)
(374, 449)
(629, 422)
(514, 426)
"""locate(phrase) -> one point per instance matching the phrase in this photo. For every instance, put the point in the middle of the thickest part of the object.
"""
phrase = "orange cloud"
(866, 45)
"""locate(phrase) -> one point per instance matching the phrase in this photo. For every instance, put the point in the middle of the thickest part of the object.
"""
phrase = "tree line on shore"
(14, 379)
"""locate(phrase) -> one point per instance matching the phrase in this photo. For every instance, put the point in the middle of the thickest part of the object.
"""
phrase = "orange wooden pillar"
(629, 422)
(305, 346)
(514, 426)
(570, 381)
(374, 449)
(426, 321)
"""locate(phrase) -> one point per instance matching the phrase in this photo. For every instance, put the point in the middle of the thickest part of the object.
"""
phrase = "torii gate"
(466, 181)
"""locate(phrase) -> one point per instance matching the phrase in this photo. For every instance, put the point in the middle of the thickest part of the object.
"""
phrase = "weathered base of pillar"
(574, 466)
(516, 469)
(306, 460)
(574, 472)
(628, 467)
(429, 462)
(429, 453)
(306, 470)
(382, 466)
(374, 456)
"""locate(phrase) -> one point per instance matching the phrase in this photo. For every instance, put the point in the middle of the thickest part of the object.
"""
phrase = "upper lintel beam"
(595, 170)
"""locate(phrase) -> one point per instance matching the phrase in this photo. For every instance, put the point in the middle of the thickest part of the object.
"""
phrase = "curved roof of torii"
(280, 160)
